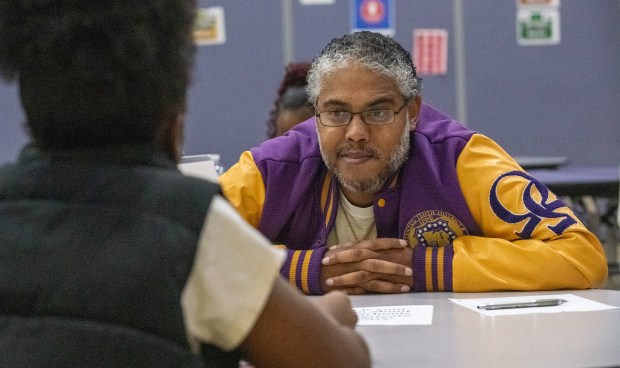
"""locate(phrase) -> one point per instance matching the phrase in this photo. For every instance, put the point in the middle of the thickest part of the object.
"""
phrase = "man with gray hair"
(382, 193)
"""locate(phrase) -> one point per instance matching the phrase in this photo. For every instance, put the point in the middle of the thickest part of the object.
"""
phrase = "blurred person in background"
(292, 105)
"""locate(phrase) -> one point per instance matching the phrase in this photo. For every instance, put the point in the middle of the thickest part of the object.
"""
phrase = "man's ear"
(414, 111)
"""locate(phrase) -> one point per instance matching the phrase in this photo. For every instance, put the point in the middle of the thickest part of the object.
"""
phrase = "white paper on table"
(200, 169)
(574, 304)
(395, 315)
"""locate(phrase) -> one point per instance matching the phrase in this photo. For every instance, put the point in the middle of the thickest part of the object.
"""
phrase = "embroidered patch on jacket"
(534, 204)
(433, 228)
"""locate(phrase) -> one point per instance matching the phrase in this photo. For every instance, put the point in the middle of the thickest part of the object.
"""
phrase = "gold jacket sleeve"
(243, 186)
(501, 260)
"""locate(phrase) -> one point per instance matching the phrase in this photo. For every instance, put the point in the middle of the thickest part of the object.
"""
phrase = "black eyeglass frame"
(361, 114)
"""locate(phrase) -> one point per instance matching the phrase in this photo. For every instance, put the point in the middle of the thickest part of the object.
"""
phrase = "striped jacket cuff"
(303, 269)
(432, 268)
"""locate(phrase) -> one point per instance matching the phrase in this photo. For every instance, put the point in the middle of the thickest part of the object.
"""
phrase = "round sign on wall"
(372, 15)
(372, 11)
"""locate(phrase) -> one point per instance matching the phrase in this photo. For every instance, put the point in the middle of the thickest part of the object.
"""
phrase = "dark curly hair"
(295, 81)
(93, 73)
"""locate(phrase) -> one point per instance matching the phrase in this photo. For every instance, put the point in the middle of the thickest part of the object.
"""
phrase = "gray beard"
(397, 159)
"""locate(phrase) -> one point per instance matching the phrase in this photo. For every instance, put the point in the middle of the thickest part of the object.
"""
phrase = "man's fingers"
(370, 269)
(384, 243)
(374, 265)
(343, 245)
(358, 270)
(385, 287)
(367, 260)
(350, 290)
(352, 282)
(355, 290)
(348, 255)
(349, 279)
(374, 244)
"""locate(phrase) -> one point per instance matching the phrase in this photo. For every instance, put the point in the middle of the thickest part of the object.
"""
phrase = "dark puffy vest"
(95, 249)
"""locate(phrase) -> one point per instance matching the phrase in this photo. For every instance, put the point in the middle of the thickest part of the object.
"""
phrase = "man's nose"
(357, 130)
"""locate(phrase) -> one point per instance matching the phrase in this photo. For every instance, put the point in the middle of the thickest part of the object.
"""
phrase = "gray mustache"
(349, 148)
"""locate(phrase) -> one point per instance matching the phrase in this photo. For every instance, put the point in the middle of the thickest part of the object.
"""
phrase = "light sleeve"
(531, 240)
(232, 276)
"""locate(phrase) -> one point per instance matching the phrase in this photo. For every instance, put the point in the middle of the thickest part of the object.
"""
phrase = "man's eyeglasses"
(340, 118)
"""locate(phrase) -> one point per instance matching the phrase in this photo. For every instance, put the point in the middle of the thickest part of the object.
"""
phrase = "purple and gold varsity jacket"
(476, 220)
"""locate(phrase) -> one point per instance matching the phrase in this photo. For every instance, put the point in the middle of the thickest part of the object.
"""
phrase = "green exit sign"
(538, 26)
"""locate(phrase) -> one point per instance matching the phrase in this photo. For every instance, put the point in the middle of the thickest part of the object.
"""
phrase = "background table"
(541, 162)
(460, 337)
(592, 192)
(581, 181)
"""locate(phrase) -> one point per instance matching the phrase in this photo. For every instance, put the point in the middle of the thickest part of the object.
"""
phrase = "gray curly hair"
(371, 50)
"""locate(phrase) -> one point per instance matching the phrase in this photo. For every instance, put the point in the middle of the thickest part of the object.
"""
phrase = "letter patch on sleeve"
(532, 207)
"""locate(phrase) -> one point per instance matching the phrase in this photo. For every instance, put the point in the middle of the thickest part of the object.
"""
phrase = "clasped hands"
(369, 266)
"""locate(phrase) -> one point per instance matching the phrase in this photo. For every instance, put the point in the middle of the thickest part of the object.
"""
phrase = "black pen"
(528, 304)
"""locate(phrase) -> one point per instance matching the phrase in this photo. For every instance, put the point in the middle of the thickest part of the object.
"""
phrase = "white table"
(459, 337)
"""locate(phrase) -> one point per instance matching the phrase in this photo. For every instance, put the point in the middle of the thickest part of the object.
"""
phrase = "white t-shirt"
(233, 273)
(357, 223)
